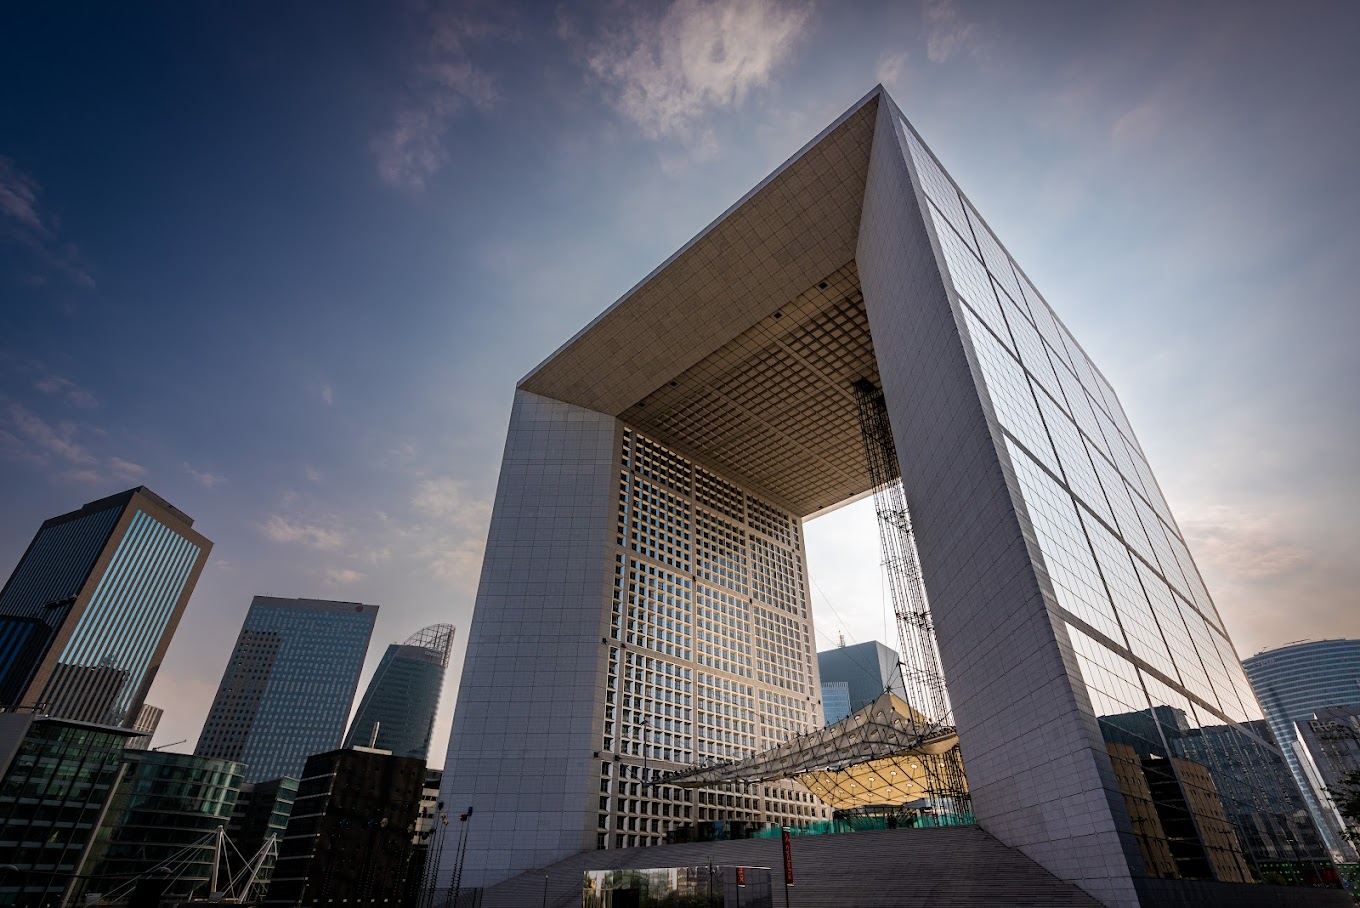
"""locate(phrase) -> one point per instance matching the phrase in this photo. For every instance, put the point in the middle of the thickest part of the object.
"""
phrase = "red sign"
(741, 876)
(788, 857)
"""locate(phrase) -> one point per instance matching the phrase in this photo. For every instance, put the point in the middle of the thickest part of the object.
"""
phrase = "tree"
(1346, 795)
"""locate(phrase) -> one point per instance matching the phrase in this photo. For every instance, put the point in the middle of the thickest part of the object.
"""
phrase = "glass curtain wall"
(1183, 729)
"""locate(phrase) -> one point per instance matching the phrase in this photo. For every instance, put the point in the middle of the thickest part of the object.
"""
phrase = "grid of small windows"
(722, 631)
(654, 522)
(616, 601)
(656, 609)
(777, 578)
(718, 494)
(720, 551)
(769, 520)
(650, 460)
(643, 813)
(657, 709)
(781, 717)
(681, 679)
(1162, 676)
(725, 717)
(781, 653)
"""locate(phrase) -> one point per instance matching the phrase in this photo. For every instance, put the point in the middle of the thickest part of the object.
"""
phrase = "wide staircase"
(952, 867)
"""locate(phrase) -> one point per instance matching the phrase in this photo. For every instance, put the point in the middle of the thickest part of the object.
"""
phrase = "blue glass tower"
(87, 616)
(398, 709)
(1294, 682)
(288, 688)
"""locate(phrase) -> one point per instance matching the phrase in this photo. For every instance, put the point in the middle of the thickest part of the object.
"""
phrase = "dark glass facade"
(163, 813)
(403, 697)
(349, 837)
(288, 689)
(87, 615)
(1199, 776)
(58, 775)
(262, 811)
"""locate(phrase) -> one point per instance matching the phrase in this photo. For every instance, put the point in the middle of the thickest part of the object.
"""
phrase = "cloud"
(23, 222)
(42, 439)
(49, 382)
(123, 469)
(327, 395)
(948, 33)
(444, 82)
(341, 576)
(1137, 125)
(19, 199)
(665, 74)
(891, 70)
(312, 535)
(1243, 545)
(205, 478)
(312, 473)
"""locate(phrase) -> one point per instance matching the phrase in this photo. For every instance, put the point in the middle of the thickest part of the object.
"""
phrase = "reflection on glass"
(704, 886)
(1207, 799)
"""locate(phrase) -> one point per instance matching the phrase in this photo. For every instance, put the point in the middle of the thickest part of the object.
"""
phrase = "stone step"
(959, 867)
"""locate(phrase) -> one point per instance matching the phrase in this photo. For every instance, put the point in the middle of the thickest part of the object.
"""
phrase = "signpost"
(788, 863)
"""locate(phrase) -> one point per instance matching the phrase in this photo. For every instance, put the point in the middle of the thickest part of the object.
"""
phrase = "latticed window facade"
(711, 648)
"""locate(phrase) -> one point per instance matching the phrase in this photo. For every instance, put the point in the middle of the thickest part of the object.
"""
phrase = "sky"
(284, 263)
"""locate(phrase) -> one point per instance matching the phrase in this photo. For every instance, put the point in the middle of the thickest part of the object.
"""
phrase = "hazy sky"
(284, 264)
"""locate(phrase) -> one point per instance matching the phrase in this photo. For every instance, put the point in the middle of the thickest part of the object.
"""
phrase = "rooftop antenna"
(842, 636)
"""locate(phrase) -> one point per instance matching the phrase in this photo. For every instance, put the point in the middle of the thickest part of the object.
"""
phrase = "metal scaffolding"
(889, 753)
(922, 674)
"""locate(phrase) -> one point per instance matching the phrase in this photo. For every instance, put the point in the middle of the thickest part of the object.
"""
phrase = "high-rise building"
(869, 670)
(288, 689)
(88, 614)
(163, 813)
(262, 811)
(350, 836)
(1293, 683)
(1330, 754)
(147, 721)
(56, 779)
(835, 701)
(643, 594)
(398, 709)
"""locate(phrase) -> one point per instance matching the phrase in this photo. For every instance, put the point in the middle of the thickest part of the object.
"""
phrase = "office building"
(287, 691)
(165, 812)
(644, 584)
(869, 670)
(835, 701)
(398, 709)
(261, 813)
(147, 721)
(1293, 683)
(1329, 751)
(56, 779)
(87, 616)
(432, 824)
(349, 836)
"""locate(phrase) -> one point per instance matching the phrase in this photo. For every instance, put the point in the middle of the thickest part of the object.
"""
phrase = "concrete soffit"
(740, 349)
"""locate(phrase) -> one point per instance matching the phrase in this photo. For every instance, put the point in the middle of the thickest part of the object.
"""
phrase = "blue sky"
(285, 263)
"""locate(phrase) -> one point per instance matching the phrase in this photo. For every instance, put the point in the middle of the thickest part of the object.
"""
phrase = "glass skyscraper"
(675, 446)
(398, 709)
(288, 689)
(88, 614)
(165, 805)
(1293, 683)
(56, 778)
